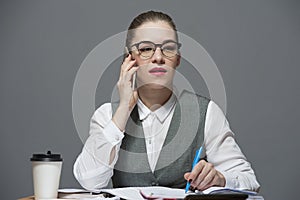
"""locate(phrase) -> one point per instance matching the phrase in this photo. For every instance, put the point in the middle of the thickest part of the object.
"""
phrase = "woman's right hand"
(128, 96)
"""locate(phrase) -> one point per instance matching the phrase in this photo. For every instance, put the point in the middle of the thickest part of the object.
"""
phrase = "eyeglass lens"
(147, 49)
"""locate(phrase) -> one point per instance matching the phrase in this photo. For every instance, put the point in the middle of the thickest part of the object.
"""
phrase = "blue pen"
(196, 160)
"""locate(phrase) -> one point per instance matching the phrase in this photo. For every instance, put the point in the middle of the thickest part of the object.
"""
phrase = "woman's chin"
(156, 86)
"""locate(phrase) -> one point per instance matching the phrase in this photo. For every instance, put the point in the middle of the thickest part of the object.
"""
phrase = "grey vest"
(184, 137)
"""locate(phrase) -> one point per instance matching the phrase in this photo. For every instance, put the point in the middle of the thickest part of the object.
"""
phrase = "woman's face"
(156, 71)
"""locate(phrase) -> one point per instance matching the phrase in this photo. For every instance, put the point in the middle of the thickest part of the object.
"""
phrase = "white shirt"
(155, 126)
(92, 168)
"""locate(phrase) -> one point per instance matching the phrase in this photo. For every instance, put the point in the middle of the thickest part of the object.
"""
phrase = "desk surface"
(32, 198)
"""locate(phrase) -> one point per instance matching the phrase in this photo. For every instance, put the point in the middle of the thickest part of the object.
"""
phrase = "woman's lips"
(157, 71)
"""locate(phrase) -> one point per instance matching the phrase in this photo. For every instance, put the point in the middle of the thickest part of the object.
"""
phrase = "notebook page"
(155, 191)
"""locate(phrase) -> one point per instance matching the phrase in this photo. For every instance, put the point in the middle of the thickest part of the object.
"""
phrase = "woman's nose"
(157, 56)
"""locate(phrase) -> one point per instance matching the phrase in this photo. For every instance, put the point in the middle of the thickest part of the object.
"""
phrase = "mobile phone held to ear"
(133, 84)
(126, 53)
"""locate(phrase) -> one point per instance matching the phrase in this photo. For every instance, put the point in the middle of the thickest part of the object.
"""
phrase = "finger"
(128, 58)
(126, 68)
(130, 65)
(205, 171)
(125, 63)
(207, 179)
(186, 176)
(196, 172)
(128, 76)
(214, 182)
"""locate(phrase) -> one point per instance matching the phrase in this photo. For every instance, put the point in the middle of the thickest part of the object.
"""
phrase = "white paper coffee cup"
(46, 170)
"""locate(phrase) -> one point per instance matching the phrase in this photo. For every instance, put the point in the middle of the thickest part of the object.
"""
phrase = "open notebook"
(154, 193)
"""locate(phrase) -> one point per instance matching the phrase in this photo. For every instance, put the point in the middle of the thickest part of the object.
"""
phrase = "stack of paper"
(141, 193)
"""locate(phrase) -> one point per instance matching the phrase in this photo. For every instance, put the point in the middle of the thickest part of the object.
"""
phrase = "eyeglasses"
(146, 49)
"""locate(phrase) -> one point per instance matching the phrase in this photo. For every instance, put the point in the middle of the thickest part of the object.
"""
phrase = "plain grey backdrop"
(255, 45)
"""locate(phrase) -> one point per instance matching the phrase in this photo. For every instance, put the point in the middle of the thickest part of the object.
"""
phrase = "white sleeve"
(92, 168)
(224, 153)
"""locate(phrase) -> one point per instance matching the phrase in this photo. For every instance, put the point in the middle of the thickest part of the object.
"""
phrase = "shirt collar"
(161, 113)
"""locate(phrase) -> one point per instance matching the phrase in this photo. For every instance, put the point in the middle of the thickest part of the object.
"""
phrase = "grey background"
(255, 45)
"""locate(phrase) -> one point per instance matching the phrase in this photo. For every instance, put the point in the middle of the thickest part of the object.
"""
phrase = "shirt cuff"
(231, 180)
(112, 133)
(92, 180)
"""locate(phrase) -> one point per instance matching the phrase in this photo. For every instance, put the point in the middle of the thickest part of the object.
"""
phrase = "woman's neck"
(154, 98)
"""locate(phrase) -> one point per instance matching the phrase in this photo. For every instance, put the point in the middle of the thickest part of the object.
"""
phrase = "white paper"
(155, 191)
(72, 190)
(134, 193)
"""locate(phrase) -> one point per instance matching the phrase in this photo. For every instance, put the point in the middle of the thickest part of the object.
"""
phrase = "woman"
(148, 137)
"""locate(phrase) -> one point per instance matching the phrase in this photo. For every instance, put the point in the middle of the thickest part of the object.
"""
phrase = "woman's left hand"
(204, 175)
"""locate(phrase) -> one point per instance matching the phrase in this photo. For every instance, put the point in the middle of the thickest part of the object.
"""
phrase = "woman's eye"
(169, 48)
(145, 49)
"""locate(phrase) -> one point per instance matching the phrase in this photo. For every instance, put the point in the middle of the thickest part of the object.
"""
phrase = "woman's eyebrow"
(165, 41)
(170, 40)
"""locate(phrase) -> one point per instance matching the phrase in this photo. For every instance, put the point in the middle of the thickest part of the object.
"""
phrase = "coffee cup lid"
(46, 157)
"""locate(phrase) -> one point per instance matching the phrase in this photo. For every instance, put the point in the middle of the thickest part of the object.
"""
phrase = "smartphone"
(134, 81)
(133, 84)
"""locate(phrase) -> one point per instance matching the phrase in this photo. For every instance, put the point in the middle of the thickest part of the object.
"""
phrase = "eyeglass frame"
(155, 46)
